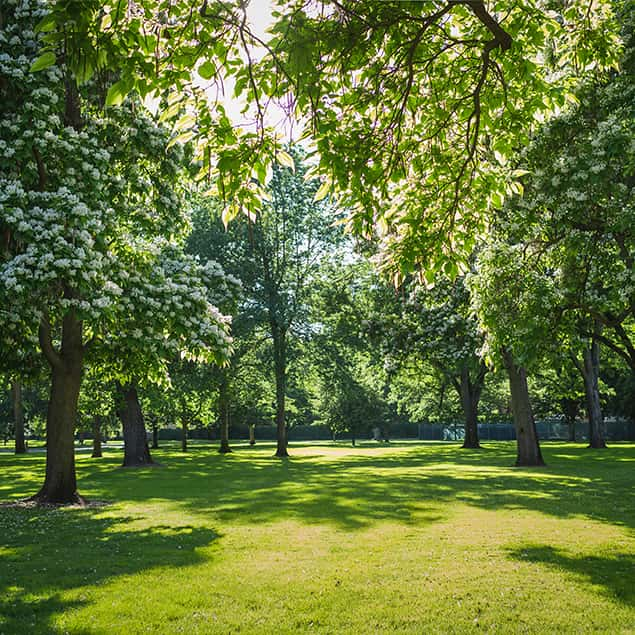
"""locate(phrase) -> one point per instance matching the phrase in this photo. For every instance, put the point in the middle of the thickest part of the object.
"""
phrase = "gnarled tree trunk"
(223, 407)
(591, 376)
(96, 437)
(528, 447)
(60, 483)
(18, 417)
(135, 440)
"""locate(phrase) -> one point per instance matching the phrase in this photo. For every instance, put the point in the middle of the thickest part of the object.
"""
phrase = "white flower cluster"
(89, 219)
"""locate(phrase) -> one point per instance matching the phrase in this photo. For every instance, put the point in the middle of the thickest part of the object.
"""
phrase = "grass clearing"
(406, 538)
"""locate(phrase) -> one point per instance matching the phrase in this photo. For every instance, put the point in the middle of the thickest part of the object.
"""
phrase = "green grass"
(410, 538)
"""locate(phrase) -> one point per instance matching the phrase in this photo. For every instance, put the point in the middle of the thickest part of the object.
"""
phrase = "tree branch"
(46, 344)
(501, 37)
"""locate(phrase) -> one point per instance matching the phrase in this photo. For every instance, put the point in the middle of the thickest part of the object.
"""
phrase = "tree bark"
(135, 440)
(60, 483)
(252, 434)
(223, 407)
(279, 347)
(591, 376)
(96, 437)
(528, 447)
(18, 417)
(570, 411)
(470, 394)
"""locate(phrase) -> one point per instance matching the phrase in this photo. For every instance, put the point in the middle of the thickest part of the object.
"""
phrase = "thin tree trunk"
(279, 344)
(155, 434)
(591, 376)
(223, 407)
(96, 437)
(252, 434)
(528, 447)
(18, 417)
(470, 394)
(184, 435)
(135, 441)
(570, 411)
(60, 482)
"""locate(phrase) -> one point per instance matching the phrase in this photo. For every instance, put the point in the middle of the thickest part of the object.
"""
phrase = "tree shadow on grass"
(615, 573)
(405, 485)
(46, 553)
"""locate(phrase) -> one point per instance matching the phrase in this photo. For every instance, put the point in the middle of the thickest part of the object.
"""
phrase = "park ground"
(406, 538)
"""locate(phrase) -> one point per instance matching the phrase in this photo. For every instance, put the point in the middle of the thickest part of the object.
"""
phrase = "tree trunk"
(223, 407)
(60, 483)
(528, 447)
(279, 345)
(155, 435)
(470, 394)
(252, 434)
(184, 435)
(18, 417)
(591, 376)
(570, 411)
(135, 440)
(96, 437)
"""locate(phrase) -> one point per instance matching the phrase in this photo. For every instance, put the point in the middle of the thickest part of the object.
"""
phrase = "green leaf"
(182, 138)
(44, 61)
(497, 199)
(323, 191)
(186, 121)
(285, 159)
(117, 93)
(47, 23)
(207, 70)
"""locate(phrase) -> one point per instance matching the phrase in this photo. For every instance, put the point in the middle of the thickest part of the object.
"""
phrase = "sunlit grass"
(405, 538)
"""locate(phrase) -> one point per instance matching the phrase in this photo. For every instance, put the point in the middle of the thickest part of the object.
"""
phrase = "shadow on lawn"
(44, 553)
(614, 573)
(347, 489)
(407, 485)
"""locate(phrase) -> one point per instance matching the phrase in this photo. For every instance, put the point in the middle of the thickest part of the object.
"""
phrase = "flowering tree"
(513, 303)
(88, 206)
(576, 220)
(171, 314)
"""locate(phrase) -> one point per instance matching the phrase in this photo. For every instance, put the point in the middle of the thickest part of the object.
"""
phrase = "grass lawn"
(409, 538)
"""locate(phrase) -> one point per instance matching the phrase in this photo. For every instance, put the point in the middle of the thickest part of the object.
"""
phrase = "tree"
(85, 214)
(577, 217)
(409, 103)
(172, 314)
(351, 382)
(289, 239)
(436, 324)
(513, 302)
(415, 106)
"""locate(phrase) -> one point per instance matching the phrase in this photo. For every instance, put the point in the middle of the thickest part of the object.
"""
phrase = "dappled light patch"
(351, 540)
